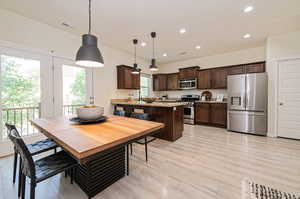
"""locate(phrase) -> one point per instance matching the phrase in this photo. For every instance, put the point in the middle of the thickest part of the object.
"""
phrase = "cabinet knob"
(281, 104)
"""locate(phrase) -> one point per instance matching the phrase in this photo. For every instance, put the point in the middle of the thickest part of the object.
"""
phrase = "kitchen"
(205, 109)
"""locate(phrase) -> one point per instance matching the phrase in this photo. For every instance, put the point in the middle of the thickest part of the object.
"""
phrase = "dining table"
(101, 149)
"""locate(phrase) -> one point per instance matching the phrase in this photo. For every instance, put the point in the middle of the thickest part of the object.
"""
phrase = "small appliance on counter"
(188, 115)
(247, 103)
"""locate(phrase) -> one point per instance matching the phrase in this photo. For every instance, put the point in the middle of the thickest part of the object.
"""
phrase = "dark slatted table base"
(98, 174)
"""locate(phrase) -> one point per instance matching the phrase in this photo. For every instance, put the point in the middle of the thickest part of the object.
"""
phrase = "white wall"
(227, 59)
(278, 48)
(28, 34)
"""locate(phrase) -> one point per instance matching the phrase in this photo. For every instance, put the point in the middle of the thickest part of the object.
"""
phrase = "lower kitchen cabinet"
(214, 114)
(218, 114)
(202, 113)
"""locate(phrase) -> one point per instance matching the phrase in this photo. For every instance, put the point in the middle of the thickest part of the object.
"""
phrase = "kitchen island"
(169, 113)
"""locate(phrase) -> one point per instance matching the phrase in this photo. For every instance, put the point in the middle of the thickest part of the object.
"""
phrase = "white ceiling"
(217, 25)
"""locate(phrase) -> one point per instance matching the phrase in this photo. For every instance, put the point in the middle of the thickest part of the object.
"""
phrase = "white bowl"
(90, 113)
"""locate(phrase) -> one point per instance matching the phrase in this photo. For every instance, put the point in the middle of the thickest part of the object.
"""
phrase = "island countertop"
(153, 104)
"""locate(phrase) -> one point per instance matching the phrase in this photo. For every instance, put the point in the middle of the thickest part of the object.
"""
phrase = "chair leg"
(32, 189)
(23, 186)
(146, 149)
(15, 166)
(127, 158)
(66, 174)
(130, 149)
(20, 178)
(72, 175)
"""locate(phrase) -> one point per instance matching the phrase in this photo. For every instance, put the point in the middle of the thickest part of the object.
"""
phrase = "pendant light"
(153, 66)
(135, 70)
(88, 54)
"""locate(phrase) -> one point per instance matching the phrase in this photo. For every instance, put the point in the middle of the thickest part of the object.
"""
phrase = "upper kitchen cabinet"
(160, 82)
(236, 70)
(125, 78)
(258, 67)
(172, 81)
(219, 78)
(255, 67)
(189, 73)
(204, 79)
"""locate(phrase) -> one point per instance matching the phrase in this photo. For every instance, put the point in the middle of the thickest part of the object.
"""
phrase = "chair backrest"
(141, 116)
(120, 113)
(27, 166)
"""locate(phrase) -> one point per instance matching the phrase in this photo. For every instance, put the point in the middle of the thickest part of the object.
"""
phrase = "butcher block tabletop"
(86, 140)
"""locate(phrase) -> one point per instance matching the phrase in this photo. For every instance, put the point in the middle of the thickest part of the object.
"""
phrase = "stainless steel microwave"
(188, 84)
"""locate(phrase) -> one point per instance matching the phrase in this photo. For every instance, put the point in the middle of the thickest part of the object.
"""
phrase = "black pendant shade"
(153, 66)
(88, 54)
(135, 69)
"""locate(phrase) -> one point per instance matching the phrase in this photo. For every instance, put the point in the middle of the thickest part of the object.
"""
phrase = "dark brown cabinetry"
(218, 114)
(172, 117)
(204, 79)
(160, 82)
(219, 78)
(172, 81)
(236, 70)
(189, 73)
(127, 80)
(214, 78)
(214, 114)
(258, 67)
(202, 113)
(255, 68)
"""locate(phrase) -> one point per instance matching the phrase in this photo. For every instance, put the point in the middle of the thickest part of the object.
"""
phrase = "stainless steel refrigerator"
(247, 103)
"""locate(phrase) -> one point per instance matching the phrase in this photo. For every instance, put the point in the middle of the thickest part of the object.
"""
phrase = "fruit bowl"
(90, 112)
(149, 99)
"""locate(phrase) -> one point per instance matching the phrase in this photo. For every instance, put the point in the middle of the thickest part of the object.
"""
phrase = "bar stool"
(147, 139)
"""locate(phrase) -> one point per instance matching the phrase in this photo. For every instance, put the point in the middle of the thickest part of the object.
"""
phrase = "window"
(145, 85)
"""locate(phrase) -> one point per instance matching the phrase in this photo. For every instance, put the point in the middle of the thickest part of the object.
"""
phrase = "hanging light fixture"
(153, 66)
(135, 70)
(88, 54)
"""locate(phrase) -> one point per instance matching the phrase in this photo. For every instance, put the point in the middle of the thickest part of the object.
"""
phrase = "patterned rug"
(252, 190)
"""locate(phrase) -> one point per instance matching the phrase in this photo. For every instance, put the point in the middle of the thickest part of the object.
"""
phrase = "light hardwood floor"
(206, 163)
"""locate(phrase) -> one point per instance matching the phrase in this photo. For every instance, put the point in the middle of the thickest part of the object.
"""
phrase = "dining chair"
(146, 139)
(34, 149)
(41, 169)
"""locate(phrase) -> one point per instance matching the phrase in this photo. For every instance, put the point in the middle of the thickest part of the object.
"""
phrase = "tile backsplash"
(178, 94)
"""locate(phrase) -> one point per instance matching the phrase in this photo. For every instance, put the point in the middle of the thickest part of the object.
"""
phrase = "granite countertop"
(211, 102)
(153, 104)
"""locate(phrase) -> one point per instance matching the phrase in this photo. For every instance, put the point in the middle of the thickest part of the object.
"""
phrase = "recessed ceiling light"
(165, 54)
(246, 36)
(182, 31)
(198, 47)
(248, 9)
(143, 44)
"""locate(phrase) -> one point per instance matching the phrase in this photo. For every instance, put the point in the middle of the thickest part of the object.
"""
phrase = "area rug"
(252, 190)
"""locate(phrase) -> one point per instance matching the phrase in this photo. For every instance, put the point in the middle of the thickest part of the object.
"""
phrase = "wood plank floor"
(206, 163)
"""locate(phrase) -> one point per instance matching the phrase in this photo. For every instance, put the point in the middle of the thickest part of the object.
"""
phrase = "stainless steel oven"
(188, 84)
(189, 110)
(189, 114)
